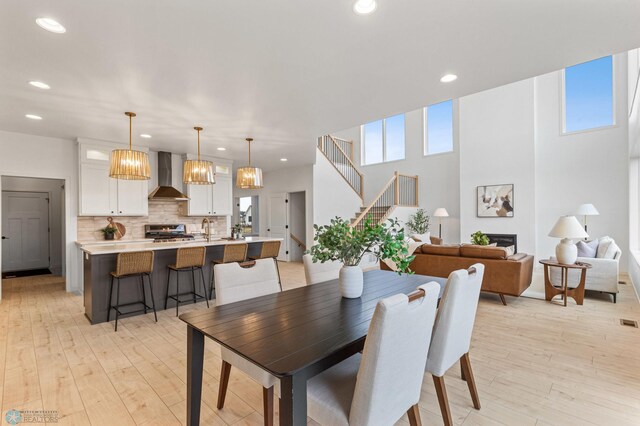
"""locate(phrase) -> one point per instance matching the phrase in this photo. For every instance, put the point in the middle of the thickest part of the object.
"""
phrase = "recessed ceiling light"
(448, 78)
(284, 159)
(33, 117)
(222, 149)
(51, 25)
(40, 85)
(146, 136)
(364, 7)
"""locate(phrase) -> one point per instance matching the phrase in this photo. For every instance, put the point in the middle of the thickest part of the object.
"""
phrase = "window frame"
(425, 130)
(563, 102)
(363, 157)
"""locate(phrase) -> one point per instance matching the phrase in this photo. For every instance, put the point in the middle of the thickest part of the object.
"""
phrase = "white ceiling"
(282, 71)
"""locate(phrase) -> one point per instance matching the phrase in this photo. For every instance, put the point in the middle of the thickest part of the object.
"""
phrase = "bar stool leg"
(166, 296)
(110, 299)
(211, 282)
(193, 284)
(177, 291)
(117, 303)
(144, 296)
(275, 259)
(204, 287)
(153, 301)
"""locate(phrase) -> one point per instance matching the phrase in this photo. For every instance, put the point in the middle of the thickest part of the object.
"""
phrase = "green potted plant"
(338, 241)
(479, 238)
(418, 222)
(109, 232)
(236, 231)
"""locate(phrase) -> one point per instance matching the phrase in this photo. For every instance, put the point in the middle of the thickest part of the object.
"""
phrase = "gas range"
(167, 233)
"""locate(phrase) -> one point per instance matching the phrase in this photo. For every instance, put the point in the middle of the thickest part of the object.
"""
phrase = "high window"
(588, 95)
(438, 128)
(383, 140)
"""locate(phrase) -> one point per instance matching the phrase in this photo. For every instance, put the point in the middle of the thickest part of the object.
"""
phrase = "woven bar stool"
(128, 265)
(232, 253)
(270, 249)
(187, 259)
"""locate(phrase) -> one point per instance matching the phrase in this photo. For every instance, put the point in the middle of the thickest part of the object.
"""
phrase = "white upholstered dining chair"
(379, 386)
(235, 283)
(452, 333)
(320, 272)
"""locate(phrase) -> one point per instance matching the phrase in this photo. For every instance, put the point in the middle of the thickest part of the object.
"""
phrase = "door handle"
(4, 238)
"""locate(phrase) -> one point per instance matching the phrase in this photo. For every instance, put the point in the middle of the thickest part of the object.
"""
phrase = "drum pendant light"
(198, 172)
(128, 164)
(249, 177)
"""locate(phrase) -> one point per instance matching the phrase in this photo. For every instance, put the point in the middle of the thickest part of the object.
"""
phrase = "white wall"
(497, 147)
(584, 167)
(292, 179)
(42, 157)
(56, 213)
(438, 175)
(332, 195)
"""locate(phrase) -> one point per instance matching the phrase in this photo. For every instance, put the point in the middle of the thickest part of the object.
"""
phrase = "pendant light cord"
(198, 144)
(249, 153)
(130, 131)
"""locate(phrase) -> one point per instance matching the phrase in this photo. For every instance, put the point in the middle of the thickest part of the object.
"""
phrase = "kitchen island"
(99, 260)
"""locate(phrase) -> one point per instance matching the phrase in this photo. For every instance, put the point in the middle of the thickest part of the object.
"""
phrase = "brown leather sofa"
(504, 275)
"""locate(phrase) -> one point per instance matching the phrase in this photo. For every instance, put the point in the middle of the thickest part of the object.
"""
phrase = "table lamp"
(587, 210)
(440, 213)
(567, 228)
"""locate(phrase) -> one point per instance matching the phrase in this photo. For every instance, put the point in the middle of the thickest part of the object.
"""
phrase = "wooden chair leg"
(414, 416)
(224, 383)
(443, 400)
(465, 363)
(502, 299)
(462, 376)
(267, 404)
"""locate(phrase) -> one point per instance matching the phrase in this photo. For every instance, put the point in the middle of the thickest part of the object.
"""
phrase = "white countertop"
(95, 248)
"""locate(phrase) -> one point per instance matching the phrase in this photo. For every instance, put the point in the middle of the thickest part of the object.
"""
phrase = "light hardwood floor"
(535, 363)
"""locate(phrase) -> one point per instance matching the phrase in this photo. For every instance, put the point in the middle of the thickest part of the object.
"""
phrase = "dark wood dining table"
(294, 335)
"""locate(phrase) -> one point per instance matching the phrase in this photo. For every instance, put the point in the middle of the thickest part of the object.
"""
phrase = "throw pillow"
(425, 238)
(611, 251)
(587, 249)
(603, 246)
(511, 250)
(493, 245)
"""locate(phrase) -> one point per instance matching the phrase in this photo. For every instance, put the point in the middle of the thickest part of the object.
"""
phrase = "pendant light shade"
(249, 177)
(198, 172)
(128, 164)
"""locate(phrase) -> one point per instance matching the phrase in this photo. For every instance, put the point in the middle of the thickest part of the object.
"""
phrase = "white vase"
(351, 281)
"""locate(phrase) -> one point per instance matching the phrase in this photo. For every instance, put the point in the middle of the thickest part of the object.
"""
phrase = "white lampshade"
(440, 212)
(587, 210)
(568, 227)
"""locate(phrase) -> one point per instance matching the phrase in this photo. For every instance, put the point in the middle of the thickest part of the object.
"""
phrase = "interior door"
(278, 225)
(25, 231)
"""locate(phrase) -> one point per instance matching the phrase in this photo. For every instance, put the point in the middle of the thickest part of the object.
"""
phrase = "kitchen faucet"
(208, 229)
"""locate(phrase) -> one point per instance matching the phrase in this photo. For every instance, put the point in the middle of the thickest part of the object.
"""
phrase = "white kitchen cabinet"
(222, 196)
(200, 200)
(101, 195)
(210, 200)
(133, 197)
(98, 192)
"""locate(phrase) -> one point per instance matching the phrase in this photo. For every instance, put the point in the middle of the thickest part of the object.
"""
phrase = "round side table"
(551, 290)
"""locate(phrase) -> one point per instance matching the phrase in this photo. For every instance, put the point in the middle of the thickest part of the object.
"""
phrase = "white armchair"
(602, 277)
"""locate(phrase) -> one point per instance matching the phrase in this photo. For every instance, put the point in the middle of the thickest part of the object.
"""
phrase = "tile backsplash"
(159, 212)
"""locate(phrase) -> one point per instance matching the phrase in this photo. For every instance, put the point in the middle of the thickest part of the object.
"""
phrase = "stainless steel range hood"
(165, 191)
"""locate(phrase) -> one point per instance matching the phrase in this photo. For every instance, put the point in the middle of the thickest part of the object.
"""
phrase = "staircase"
(400, 190)
(339, 152)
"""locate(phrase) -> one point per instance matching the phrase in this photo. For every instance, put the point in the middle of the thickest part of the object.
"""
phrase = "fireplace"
(504, 240)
